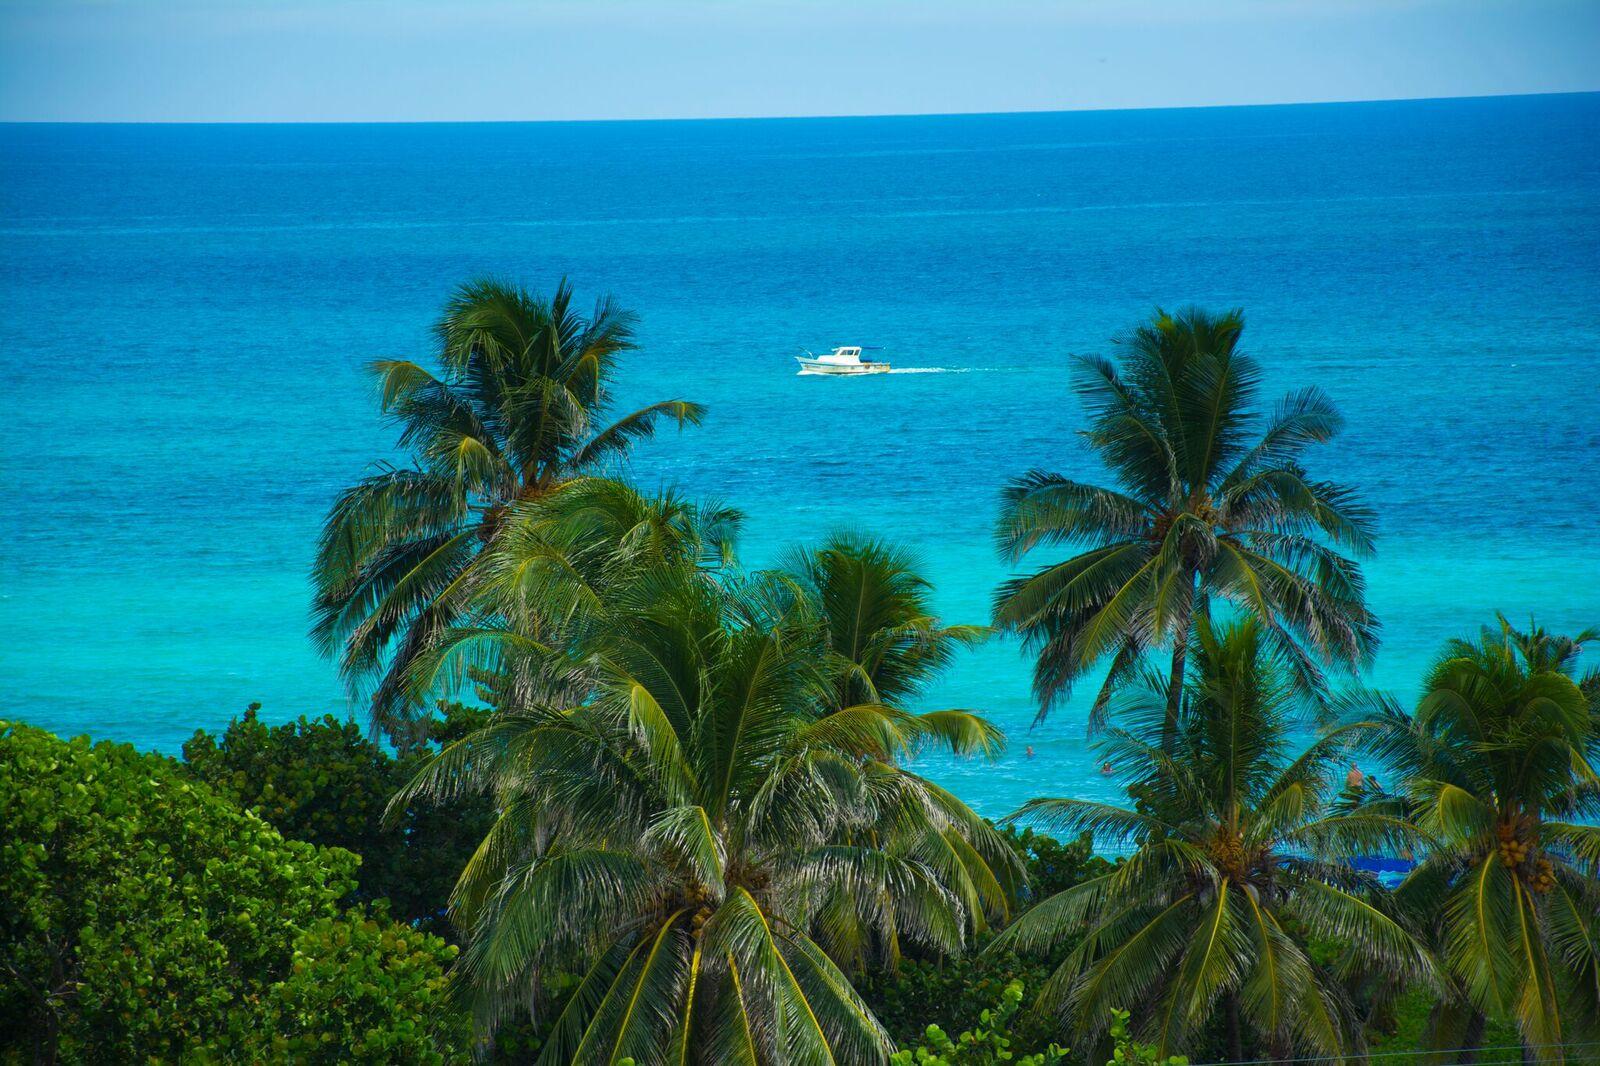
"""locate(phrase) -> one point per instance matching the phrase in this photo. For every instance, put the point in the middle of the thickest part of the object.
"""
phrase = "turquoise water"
(187, 310)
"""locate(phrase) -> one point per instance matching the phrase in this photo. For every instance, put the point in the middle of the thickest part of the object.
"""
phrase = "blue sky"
(315, 60)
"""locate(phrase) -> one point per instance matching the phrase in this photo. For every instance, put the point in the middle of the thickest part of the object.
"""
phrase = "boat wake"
(929, 370)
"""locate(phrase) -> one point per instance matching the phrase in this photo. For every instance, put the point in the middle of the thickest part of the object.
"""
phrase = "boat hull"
(812, 366)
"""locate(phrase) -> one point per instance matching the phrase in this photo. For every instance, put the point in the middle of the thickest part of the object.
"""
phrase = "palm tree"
(1498, 765)
(875, 605)
(1211, 503)
(550, 580)
(514, 409)
(1239, 861)
(1543, 651)
(700, 830)
(880, 645)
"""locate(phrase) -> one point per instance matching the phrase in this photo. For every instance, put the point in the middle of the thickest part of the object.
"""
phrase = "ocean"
(187, 312)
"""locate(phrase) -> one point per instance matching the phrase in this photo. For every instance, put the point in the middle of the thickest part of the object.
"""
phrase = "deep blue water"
(187, 311)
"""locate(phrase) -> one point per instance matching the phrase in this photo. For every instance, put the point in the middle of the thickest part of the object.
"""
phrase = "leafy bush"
(144, 918)
(1128, 1052)
(963, 988)
(1402, 1032)
(315, 780)
(990, 1041)
(325, 782)
(1053, 865)
(362, 988)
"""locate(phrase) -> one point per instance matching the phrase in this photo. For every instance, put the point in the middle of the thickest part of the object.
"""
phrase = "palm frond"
(628, 430)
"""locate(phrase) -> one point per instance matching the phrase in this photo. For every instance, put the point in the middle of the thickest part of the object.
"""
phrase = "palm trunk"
(1169, 726)
(1235, 1035)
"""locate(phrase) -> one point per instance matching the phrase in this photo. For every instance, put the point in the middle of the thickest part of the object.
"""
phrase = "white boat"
(843, 360)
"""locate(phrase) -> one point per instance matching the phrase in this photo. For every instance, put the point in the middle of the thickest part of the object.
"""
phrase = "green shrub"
(144, 918)
(1402, 1033)
(959, 988)
(1128, 1052)
(988, 1042)
(325, 782)
(362, 988)
(318, 780)
(1053, 865)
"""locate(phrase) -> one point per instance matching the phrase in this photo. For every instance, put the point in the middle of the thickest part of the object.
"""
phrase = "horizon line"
(782, 118)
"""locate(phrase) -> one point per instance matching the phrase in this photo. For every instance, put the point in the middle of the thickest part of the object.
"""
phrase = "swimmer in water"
(1105, 767)
(1030, 751)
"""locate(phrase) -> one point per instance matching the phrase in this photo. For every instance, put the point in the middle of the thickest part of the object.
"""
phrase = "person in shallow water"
(1030, 751)
(1105, 767)
(1355, 780)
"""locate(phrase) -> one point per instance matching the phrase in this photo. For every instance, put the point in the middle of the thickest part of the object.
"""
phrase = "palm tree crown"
(702, 829)
(1212, 502)
(1237, 861)
(514, 409)
(883, 639)
(1498, 765)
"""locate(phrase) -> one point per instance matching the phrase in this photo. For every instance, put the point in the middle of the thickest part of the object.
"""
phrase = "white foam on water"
(894, 370)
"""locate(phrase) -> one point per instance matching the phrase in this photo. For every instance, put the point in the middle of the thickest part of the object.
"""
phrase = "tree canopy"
(1238, 860)
(692, 814)
(143, 918)
(324, 781)
(516, 406)
(1498, 764)
(1211, 502)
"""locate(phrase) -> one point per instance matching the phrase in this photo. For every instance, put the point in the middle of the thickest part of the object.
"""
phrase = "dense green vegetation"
(678, 818)
(989, 1042)
(146, 919)
(326, 782)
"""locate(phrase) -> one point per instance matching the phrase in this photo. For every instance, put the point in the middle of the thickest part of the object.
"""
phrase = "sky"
(408, 60)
